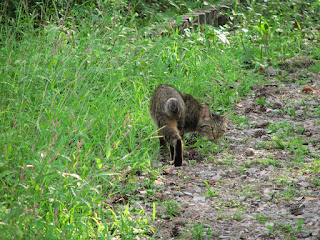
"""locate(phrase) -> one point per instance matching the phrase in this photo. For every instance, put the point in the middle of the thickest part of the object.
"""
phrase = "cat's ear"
(206, 111)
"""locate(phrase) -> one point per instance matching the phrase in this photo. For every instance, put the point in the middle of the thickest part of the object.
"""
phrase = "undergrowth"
(77, 141)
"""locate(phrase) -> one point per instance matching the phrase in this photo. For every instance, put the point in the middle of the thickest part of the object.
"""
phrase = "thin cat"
(177, 113)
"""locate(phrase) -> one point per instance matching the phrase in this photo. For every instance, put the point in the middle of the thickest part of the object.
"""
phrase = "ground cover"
(79, 153)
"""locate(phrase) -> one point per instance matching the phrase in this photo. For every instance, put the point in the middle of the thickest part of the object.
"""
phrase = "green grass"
(76, 135)
(288, 136)
(262, 218)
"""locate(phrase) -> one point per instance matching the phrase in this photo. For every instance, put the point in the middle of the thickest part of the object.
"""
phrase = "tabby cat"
(177, 113)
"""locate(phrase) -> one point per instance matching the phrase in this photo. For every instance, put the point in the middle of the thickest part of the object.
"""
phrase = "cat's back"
(163, 92)
(161, 95)
(166, 101)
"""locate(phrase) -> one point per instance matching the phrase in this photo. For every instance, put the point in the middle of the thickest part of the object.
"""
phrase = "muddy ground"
(265, 184)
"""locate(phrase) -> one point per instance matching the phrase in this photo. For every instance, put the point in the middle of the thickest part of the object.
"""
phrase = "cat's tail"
(173, 108)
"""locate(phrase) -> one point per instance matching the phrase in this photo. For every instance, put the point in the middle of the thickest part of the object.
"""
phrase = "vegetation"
(76, 140)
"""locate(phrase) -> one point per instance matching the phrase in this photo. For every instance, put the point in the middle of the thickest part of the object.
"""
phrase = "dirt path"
(266, 184)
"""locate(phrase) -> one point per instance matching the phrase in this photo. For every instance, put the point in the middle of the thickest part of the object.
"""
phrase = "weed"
(220, 205)
(173, 208)
(316, 181)
(210, 193)
(260, 101)
(199, 231)
(261, 218)
(270, 161)
(287, 137)
(290, 193)
(237, 216)
(288, 231)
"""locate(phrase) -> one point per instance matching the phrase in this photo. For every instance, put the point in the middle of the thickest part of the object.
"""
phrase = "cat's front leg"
(163, 144)
(172, 152)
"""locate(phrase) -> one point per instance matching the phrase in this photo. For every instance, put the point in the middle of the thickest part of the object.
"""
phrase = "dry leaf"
(307, 89)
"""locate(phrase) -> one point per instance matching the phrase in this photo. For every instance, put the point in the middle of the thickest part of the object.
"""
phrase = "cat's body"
(177, 113)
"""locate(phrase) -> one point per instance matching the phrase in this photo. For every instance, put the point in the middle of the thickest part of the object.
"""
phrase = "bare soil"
(266, 183)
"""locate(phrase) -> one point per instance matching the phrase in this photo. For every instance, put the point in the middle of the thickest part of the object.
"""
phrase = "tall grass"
(76, 136)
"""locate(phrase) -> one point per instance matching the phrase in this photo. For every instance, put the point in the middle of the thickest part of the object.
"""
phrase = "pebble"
(304, 234)
(280, 131)
(293, 86)
(249, 152)
(199, 199)
(275, 111)
(304, 184)
(265, 138)
(309, 215)
(264, 178)
(188, 194)
(197, 189)
(243, 198)
(264, 234)
(313, 103)
(266, 194)
(217, 177)
(201, 184)
(310, 192)
(308, 133)
(204, 236)
(251, 171)
(176, 193)
(259, 132)
(269, 224)
(299, 113)
(302, 178)
(296, 209)
(248, 109)
(271, 168)
(184, 205)
(271, 71)
(277, 105)
(241, 235)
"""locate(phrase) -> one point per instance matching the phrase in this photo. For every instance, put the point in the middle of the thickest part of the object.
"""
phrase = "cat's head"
(211, 125)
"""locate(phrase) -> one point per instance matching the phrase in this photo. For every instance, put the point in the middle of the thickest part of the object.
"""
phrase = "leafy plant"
(199, 231)
(261, 101)
(237, 217)
(289, 231)
(210, 193)
(173, 208)
(292, 112)
(262, 218)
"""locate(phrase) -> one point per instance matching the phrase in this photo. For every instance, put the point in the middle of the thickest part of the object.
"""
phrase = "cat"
(177, 113)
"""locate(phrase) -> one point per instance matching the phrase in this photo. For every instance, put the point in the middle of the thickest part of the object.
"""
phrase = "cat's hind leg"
(178, 153)
(171, 135)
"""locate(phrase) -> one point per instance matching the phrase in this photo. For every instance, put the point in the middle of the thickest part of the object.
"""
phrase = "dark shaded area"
(13, 10)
